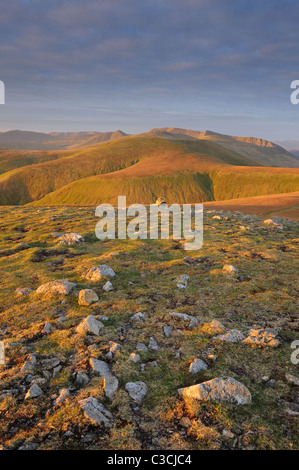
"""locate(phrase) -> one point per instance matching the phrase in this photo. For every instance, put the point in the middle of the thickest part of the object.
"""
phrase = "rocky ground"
(142, 345)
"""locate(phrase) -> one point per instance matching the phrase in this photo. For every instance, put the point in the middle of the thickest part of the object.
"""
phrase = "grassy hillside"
(219, 183)
(12, 159)
(143, 156)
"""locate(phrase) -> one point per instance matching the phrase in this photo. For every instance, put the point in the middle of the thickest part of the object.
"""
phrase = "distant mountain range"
(179, 164)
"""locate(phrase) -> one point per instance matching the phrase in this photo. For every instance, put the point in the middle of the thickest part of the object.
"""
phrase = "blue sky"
(223, 65)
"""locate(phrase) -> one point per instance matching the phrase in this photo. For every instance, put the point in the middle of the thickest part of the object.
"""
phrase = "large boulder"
(61, 287)
(99, 272)
(221, 389)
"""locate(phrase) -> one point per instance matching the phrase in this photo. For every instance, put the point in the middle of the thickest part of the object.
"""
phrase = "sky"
(102, 65)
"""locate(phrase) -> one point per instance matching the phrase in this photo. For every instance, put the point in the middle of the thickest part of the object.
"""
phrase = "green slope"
(32, 182)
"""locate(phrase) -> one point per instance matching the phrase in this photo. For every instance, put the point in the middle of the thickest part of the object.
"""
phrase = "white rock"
(197, 365)
(229, 269)
(222, 389)
(134, 357)
(47, 328)
(98, 272)
(182, 281)
(87, 297)
(193, 321)
(232, 336)
(96, 411)
(34, 392)
(107, 287)
(110, 382)
(141, 347)
(167, 331)
(61, 287)
(153, 345)
(90, 325)
(137, 390)
(139, 316)
(70, 238)
(292, 379)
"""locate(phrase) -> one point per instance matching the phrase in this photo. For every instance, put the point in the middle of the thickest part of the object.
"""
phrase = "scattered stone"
(70, 238)
(232, 336)
(108, 286)
(47, 328)
(139, 316)
(29, 445)
(62, 287)
(213, 328)
(197, 366)
(290, 408)
(141, 347)
(98, 272)
(137, 390)
(229, 269)
(134, 357)
(167, 331)
(56, 370)
(34, 392)
(153, 345)
(90, 325)
(228, 434)
(262, 338)
(292, 379)
(193, 321)
(103, 317)
(113, 347)
(110, 382)
(63, 395)
(29, 364)
(96, 411)
(221, 389)
(81, 379)
(182, 281)
(50, 363)
(23, 291)
(87, 297)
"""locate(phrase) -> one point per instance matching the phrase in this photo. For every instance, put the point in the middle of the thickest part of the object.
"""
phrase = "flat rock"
(193, 321)
(137, 390)
(34, 392)
(197, 365)
(98, 272)
(134, 357)
(61, 287)
(262, 337)
(139, 316)
(96, 412)
(292, 379)
(182, 281)
(70, 238)
(222, 389)
(141, 347)
(232, 336)
(153, 345)
(90, 325)
(87, 297)
(107, 287)
(229, 269)
(110, 382)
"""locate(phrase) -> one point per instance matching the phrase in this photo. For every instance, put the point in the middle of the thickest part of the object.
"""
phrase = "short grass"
(265, 296)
